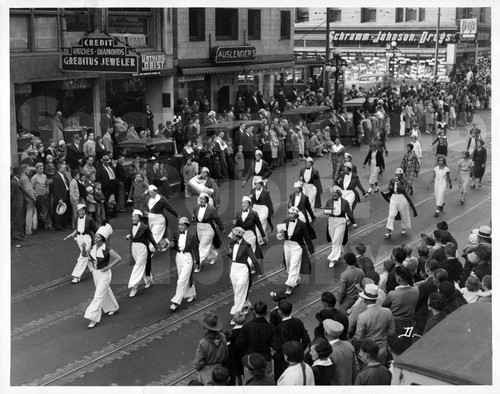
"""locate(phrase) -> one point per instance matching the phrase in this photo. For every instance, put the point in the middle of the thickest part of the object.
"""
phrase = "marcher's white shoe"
(133, 292)
(92, 324)
(197, 268)
(288, 290)
(111, 313)
(75, 280)
(173, 306)
(191, 299)
(403, 231)
(332, 264)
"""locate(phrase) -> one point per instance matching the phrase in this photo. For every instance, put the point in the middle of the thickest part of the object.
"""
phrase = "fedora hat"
(370, 292)
(484, 232)
(210, 321)
(61, 208)
(105, 159)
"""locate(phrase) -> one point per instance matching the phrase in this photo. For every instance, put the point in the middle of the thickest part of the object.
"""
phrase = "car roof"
(232, 125)
(312, 109)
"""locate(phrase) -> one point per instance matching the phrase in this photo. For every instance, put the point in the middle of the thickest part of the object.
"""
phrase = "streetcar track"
(156, 330)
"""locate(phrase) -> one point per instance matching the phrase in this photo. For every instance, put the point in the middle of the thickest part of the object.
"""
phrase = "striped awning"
(243, 69)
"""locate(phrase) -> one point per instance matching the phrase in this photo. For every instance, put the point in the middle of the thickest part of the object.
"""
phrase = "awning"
(242, 69)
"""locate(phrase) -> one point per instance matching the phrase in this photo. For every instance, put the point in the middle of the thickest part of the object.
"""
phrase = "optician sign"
(101, 53)
(421, 37)
(234, 54)
(468, 28)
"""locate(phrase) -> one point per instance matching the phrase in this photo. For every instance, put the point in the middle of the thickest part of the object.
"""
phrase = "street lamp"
(392, 57)
(337, 65)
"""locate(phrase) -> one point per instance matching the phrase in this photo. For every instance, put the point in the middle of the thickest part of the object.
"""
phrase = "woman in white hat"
(311, 183)
(249, 221)
(296, 237)
(299, 200)
(85, 228)
(337, 209)
(142, 238)
(262, 205)
(257, 168)
(206, 218)
(101, 259)
(349, 182)
(187, 256)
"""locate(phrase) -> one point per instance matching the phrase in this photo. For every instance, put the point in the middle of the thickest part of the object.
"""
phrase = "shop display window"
(19, 32)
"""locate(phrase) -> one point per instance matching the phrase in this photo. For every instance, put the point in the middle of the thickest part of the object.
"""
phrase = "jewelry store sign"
(103, 54)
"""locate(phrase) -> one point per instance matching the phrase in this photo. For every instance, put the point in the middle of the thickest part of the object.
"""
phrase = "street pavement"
(145, 344)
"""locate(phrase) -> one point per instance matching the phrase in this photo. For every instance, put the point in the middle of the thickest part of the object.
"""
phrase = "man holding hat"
(142, 238)
(60, 198)
(187, 256)
(311, 183)
(74, 154)
(337, 209)
(240, 251)
(262, 204)
(376, 323)
(343, 354)
(399, 204)
(257, 169)
(300, 201)
(296, 258)
(85, 228)
(348, 181)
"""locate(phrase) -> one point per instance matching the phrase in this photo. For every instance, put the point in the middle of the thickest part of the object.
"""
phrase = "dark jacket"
(212, 217)
(90, 227)
(302, 237)
(259, 336)
(264, 199)
(379, 158)
(143, 236)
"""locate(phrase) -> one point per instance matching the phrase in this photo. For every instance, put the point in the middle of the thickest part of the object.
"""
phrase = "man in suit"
(29, 199)
(343, 355)
(348, 181)
(249, 146)
(258, 168)
(262, 204)
(253, 103)
(121, 183)
(311, 183)
(74, 153)
(239, 251)
(85, 228)
(296, 236)
(141, 238)
(376, 323)
(16, 205)
(107, 141)
(106, 122)
(61, 195)
(238, 136)
(105, 175)
(299, 200)
(424, 290)
(186, 245)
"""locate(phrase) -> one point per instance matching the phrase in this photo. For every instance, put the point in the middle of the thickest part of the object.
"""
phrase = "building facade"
(378, 41)
(222, 52)
(80, 60)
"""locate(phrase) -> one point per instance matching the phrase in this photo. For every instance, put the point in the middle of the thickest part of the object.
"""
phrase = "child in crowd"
(239, 161)
(100, 213)
(362, 261)
(50, 168)
(472, 290)
(137, 192)
(91, 203)
(188, 172)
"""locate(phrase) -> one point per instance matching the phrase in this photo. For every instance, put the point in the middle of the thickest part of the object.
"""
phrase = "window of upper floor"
(368, 15)
(226, 24)
(410, 14)
(254, 19)
(286, 29)
(133, 26)
(197, 24)
(334, 14)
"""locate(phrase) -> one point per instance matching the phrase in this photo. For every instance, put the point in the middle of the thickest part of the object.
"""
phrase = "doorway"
(223, 99)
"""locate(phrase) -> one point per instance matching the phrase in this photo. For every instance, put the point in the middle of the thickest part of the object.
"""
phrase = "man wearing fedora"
(61, 198)
(212, 348)
(74, 154)
(376, 323)
(105, 175)
(296, 257)
(85, 228)
(187, 256)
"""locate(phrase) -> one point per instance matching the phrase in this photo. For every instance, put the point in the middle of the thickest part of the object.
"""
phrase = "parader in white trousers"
(293, 260)
(81, 262)
(157, 225)
(206, 235)
(399, 204)
(240, 280)
(184, 263)
(140, 255)
(336, 229)
(104, 298)
(263, 213)
(349, 196)
(310, 192)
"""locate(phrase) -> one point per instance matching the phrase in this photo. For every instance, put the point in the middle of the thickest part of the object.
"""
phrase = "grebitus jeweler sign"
(101, 53)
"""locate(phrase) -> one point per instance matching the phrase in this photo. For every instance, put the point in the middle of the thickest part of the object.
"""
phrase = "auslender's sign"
(234, 54)
(100, 54)
(388, 36)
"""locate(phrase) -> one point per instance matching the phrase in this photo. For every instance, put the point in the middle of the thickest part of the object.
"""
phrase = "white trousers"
(399, 204)
(206, 235)
(336, 229)
(310, 191)
(349, 196)
(293, 260)
(263, 213)
(374, 171)
(240, 281)
(81, 262)
(184, 263)
(140, 255)
(104, 298)
(157, 225)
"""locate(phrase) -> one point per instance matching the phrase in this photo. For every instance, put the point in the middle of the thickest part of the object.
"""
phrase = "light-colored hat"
(333, 328)
(258, 179)
(335, 189)
(399, 171)
(310, 160)
(473, 239)
(484, 232)
(184, 220)
(105, 231)
(62, 142)
(298, 184)
(348, 165)
(211, 113)
(176, 119)
(203, 194)
(31, 150)
(258, 152)
(294, 210)
(89, 189)
(364, 282)
(61, 208)
(81, 206)
(152, 187)
(347, 155)
(137, 212)
(205, 169)
(38, 165)
(370, 292)
(107, 109)
(246, 198)
(105, 159)
(59, 113)
(238, 231)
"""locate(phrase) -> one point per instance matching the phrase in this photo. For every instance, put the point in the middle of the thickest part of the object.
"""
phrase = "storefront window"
(19, 33)
(299, 73)
(131, 25)
(45, 32)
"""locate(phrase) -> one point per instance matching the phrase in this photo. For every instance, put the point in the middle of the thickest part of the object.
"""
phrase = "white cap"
(310, 160)
(298, 184)
(399, 171)
(105, 231)
(246, 198)
(211, 113)
(258, 152)
(205, 169)
(203, 194)
(81, 206)
(348, 165)
(152, 187)
(258, 179)
(294, 210)
(136, 212)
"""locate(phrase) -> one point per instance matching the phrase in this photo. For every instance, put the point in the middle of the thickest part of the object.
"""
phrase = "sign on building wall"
(152, 63)
(380, 36)
(234, 54)
(99, 52)
(468, 28)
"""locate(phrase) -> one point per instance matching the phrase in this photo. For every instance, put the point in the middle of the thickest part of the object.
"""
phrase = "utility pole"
(326, 80)
(437, 44)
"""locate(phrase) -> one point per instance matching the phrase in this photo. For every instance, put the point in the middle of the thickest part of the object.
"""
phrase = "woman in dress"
(275, 142)
(411, 167)
(337, 158)
(441, 179)
(479, 157)
(101, 259)
(375, 159)
(188, 150)
(441, 148)
(465, 172)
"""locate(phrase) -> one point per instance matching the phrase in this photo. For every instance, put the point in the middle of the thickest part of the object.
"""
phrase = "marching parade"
(273, 247)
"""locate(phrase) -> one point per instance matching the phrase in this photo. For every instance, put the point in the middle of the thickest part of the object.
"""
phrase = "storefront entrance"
(223, 99)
